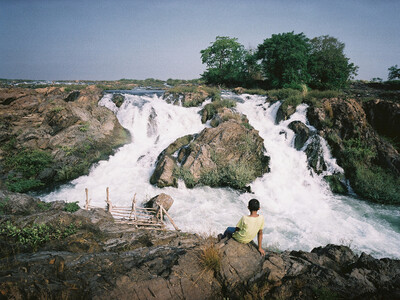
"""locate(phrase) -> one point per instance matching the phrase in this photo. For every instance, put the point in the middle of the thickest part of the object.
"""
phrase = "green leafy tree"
(328, 66)
(284, 59)
(394, 73)
(225, 60)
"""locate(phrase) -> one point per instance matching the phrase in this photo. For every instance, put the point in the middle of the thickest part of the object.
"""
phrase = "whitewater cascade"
(299, 209)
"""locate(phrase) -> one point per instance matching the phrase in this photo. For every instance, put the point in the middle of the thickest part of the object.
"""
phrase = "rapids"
(299, 209)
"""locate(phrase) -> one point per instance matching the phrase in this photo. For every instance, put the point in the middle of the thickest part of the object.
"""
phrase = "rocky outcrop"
(104, 260)
(65, 131)
(358, 148)
(302, 133)
(189, 96)
(231, 154)
(315, 155)
(384, 117)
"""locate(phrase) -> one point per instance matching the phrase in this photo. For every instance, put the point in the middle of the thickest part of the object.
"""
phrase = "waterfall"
(299, 209)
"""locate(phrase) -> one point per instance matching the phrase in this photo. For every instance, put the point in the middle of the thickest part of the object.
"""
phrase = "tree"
(394, 72)
(329, 68)
(225, 60)
(284, 59)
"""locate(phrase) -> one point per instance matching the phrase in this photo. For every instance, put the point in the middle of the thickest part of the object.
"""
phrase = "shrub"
(254, 92)
(282, 94)
(57, 109)
(71, 207)
(43, 206)
(376, 184)
(21, 185)
(236, 175)
(26, 165)
(29, 162)
(185, 175)
(210, 257)
(211, 109)
(4, 205)
(37, 234)
(84, 127)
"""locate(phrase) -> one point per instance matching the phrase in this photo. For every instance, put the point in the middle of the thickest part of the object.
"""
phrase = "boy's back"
(249, 227)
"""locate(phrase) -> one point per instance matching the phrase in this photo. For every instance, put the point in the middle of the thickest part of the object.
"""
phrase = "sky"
(138, 39)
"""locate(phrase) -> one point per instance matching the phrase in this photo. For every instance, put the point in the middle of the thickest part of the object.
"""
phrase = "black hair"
(254, 205)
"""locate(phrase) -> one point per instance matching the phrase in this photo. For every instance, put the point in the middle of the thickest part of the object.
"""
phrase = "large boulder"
(315, 155)
(302, 133)
(231, 154)
(162, 199)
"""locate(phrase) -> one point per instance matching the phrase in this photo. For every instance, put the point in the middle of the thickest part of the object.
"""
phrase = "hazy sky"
(114, 39)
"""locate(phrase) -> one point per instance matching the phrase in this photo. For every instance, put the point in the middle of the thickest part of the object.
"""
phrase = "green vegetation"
(253, 91)
(236, 175)
(186, 176)
(375, 183)
(313, 97)
(328, 67)
(43, 206)
(35, 235)
(368, 179)
(4, 205)
(24, 169)
(324, 293)
(394, 73)
(225, 60)
(84, 127)
(57, 109)
(210, 258)
(211, 109)
(71, 207)
(284, 59)
(287, 60)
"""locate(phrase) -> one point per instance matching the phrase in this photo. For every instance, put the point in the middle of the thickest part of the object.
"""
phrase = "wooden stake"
(170, 219)
(133, 208)
(109, 206)
(87, 199)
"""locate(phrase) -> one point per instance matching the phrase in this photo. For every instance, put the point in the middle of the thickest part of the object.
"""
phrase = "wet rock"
(190, 97)
(163, 175)
(315, 155)
(337, 183)
(162, 199)
(302, 133)
(118, 99)
(72, 96)
(284, 112)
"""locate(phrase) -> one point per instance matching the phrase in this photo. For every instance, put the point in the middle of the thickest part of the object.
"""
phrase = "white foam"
(299, 209)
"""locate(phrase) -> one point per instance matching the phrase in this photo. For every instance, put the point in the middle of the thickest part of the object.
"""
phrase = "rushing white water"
(300, 211)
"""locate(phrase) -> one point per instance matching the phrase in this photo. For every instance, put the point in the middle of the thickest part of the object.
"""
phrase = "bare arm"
(259, 239)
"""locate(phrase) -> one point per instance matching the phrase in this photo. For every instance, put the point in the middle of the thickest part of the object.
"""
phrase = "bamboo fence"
(140, 217)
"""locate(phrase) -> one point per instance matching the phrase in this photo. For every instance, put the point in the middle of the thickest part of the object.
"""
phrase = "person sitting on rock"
(248, 227)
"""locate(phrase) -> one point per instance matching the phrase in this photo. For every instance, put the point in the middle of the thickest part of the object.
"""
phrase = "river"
(299, 209)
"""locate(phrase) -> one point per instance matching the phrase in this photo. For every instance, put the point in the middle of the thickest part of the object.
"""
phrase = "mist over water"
(299, 209)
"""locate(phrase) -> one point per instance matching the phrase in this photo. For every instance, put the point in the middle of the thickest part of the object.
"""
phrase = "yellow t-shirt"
(249, 227)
